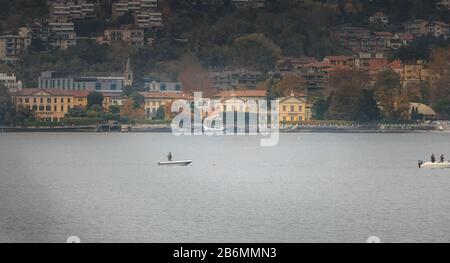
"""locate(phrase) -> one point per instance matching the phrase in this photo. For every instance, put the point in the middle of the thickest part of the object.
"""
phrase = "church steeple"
(128, 74)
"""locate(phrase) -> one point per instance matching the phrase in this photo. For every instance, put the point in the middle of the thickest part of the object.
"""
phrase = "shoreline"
(166, 129)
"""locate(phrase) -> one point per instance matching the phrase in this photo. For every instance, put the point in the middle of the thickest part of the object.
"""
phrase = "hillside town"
(88, 62)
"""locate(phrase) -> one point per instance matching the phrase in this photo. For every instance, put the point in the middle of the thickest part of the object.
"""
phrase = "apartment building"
(163, 86)
(131, 37)
(62, 35)
(65, 11)
(11, 47)
(145, 12)
(228, 80)
(78, 82)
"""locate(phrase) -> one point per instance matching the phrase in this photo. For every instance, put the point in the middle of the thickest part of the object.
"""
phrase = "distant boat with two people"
(433, 164)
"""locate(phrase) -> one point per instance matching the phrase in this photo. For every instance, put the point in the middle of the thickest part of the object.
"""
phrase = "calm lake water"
(309, 188)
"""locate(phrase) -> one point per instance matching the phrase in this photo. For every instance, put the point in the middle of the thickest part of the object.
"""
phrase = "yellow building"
(113, 99)
(156, 99)
(294, 108)
(51, 104)
(239, 100)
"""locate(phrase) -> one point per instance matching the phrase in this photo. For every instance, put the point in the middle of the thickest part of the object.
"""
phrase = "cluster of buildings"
(53, 105)
(359, 39)
(436, 29)
(315, 75)
(59, 30)
(50, 35)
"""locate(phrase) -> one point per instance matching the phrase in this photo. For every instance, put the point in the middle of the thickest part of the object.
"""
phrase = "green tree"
(319, 109)
(443, 107)
(391, 97)
(77, 112)
(138, 100)
(95, 98)
(6, 106)
(23, 115)
(160, 113)
(255, 51)
(368, 109)
(347, 94)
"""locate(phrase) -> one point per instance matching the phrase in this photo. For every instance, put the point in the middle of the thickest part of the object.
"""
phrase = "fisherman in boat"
(433, 158)
(442, 158)
(169, 156)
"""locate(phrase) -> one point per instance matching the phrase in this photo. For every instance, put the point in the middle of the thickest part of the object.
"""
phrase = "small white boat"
(176, 163)
(430, 165)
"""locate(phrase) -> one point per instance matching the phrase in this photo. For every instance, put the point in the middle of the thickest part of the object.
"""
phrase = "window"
(292, 108)
(163, 86)
(41, 107)
(48, 108)
(49, 100)
(20, 100)
(62, 108)
(98, 86)
(113, 86)
(68, 100)
(55, 100)
(27, 100)
(177, 87)
(34, 100)
(35, 107)
(55, 108)
(300, 108)
(59, 83)
(62, 100)
(42, 100)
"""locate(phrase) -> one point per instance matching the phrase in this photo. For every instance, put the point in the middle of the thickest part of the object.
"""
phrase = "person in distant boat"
(169, 156)
(442, 158)
(433, 158)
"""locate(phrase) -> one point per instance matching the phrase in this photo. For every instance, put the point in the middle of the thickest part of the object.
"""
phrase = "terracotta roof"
(396, 64)
(379, 14)
(405, 36)
(242, 93)
(54, 92)
(341, 58)
(376, 64)
(166, 95)
(383, 34)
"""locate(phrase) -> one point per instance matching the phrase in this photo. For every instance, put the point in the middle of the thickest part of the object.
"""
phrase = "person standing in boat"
(442, 158)
(169, 156)
(433, 158)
